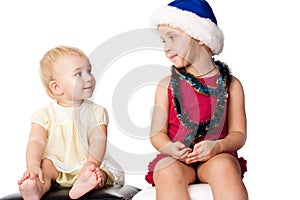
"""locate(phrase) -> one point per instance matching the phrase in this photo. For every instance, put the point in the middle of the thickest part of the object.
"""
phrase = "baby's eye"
(89, 71)
(172, 37)
(78, 74)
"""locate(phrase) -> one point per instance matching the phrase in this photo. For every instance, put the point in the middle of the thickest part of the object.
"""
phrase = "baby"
(67, 141)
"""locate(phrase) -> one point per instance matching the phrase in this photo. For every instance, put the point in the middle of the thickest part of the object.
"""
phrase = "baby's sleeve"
(40, 117)
(99, 116)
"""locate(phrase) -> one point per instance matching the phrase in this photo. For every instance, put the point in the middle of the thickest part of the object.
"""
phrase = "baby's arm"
(97, 145)
(97, 148)
(35, 152)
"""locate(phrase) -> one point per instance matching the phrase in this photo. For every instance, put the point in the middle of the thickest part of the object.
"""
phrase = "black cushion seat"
(125, 192)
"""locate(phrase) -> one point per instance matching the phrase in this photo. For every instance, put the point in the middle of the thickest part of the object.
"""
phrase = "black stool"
(125, 192)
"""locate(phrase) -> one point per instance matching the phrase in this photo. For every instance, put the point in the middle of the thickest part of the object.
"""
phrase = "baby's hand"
(179, 151)
(32, 172)
(87, 165)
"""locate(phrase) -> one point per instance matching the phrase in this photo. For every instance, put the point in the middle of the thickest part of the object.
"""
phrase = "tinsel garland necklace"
(197, 129)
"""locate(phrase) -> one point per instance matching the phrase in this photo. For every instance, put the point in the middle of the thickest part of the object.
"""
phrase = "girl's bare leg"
(223, 174)
(86, 181)
(171, 178)
(34, 189)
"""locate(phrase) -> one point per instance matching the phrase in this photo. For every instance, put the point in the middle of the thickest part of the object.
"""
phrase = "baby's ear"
(56, 88)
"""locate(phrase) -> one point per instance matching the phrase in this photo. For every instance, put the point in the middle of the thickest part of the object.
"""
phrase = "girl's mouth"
(171, 57)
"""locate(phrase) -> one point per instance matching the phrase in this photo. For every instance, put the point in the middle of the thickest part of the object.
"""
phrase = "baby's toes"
(97, 170)
(100, 178)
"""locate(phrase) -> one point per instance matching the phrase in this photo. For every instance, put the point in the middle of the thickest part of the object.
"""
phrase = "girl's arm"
(159, 124)
(237, 132)
(236, 137)
(97, 144)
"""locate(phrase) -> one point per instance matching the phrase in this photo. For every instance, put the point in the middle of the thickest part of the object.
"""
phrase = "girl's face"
(177, 46)
(74, 78)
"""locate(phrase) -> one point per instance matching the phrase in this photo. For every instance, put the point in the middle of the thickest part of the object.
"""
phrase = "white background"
(261, 47)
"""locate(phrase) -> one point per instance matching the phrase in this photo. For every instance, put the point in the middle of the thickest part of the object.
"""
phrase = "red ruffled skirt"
(151, 166)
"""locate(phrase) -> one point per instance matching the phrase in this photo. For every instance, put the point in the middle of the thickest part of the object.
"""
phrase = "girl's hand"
(203, 151)
(178, 151)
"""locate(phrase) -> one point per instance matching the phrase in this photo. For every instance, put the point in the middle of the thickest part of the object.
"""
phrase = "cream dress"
(68, 130)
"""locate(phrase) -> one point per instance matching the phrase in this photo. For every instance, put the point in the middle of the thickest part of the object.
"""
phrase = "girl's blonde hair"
(46, 64)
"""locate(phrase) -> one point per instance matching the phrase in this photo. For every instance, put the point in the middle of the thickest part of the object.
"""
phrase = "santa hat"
(195, 18)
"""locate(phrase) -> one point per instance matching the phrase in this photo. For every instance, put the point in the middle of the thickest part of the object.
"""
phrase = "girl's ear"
(200, 43)
(56, 88)
(205, 47)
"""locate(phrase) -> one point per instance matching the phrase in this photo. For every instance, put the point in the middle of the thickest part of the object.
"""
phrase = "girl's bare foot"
(29, 188)
(88, 180)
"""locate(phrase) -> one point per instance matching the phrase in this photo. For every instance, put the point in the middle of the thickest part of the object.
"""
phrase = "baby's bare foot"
(87, 181)
(29, 188)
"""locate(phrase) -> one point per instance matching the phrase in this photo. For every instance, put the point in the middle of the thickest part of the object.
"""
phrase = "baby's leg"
(86, 181)
(32, 188)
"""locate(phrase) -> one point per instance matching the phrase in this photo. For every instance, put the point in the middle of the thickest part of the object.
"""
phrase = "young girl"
(67, 142)
(199, 119)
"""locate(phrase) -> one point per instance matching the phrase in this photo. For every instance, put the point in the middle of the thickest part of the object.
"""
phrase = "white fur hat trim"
(199, 28)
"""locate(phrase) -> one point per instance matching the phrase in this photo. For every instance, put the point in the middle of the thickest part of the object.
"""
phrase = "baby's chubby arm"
(35, 151)
(96, 152)
(97, 144)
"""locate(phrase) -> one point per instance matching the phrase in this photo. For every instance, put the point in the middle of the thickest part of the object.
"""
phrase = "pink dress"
(199, 108)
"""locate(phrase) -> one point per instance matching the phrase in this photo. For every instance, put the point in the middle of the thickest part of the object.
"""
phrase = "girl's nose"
(167, 47)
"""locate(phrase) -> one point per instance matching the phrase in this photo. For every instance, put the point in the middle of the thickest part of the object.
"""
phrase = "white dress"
(68, 130)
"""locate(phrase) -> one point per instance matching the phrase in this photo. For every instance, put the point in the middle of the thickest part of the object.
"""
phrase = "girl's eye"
(172, 37)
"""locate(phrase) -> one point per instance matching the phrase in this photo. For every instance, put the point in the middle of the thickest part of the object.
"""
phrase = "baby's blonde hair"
(46, 64)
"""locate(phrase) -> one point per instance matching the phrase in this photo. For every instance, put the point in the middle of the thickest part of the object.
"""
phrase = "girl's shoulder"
(235, 80)
(163, 84)
(165, 81)
(236, 86)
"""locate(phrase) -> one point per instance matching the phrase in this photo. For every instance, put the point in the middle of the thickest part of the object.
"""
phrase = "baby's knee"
(46, 164)
(49, 169)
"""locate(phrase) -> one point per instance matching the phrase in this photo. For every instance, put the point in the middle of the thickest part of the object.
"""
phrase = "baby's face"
(74, 75)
